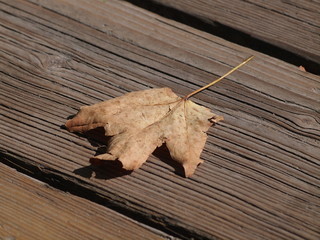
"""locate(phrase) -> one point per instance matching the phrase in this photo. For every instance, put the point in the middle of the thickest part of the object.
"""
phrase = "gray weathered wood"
(260, 179)
(293, 25)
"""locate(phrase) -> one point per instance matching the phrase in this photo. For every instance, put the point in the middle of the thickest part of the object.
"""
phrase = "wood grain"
(292, 25)
(260, 179)
(32, 210)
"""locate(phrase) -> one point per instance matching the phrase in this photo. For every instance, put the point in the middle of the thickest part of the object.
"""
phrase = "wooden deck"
(261, 175)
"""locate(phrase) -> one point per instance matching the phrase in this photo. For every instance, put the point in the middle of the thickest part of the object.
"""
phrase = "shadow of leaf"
(164, 155)
(102, 170)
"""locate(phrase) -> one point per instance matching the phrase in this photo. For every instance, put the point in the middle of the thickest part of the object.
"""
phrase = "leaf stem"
(219, 79)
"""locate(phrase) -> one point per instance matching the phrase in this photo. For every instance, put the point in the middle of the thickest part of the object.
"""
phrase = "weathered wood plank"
(291, 25)
(30, 209)
(260, 178)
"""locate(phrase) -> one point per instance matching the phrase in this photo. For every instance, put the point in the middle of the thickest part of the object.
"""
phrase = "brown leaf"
(141, 121)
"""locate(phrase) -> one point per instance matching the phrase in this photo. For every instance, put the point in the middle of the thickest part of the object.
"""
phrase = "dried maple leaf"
(141, 121)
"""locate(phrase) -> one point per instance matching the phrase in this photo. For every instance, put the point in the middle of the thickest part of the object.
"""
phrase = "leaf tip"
(216, 119)
(189, 168)
(68, 125)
